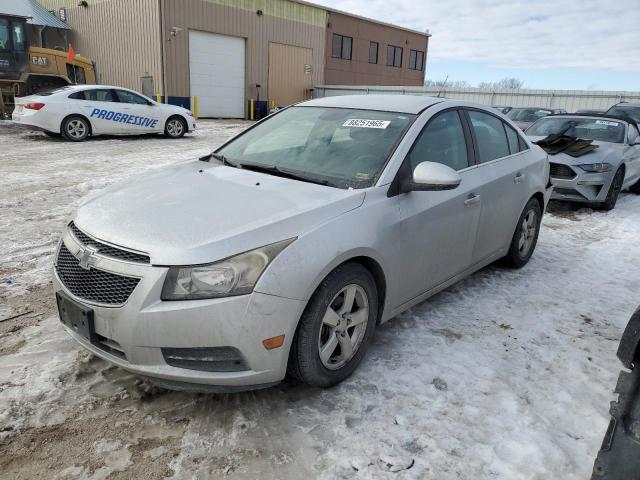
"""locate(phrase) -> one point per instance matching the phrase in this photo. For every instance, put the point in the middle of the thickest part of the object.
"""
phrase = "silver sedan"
(286, 247)
(598, 176)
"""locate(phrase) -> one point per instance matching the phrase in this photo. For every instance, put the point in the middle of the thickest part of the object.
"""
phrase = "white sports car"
(77, 111)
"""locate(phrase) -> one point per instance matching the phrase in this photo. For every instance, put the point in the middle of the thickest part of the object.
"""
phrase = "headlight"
(596, 167)
(235, 275)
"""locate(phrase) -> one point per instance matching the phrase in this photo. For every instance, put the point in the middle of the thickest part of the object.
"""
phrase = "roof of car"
(413, 104)
(604, 116)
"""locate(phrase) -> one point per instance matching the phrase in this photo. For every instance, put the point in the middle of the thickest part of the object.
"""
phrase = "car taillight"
(34, 106)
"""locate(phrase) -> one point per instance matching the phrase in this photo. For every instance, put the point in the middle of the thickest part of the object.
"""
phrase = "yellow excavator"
(26, 69)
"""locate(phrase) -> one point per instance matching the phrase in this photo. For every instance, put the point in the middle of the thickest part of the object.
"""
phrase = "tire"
(525, 237)
(75, 128)
(635, 188)
(316, 331)
(175, 127)
(614, 191)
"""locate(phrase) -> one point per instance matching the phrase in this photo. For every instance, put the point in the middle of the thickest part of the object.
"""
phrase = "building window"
(341, 47)
(373, 52)
(394, 56)
(416, 59)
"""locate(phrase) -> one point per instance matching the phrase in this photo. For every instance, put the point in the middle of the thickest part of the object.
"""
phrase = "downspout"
(163, 53)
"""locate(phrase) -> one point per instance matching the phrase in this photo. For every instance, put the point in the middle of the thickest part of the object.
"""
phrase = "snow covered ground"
(507, 375)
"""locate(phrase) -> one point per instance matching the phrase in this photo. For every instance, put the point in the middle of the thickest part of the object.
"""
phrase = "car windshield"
(342, 147)
(630, 111)
(527, 114)
(586, 128)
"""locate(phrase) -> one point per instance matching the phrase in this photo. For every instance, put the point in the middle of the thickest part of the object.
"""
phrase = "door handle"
(518, 178)
(473, 198)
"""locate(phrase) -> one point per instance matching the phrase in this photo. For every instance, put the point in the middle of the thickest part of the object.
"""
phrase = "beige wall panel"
(258, 30)
(358, 70)
(290, 79)
(123, 49)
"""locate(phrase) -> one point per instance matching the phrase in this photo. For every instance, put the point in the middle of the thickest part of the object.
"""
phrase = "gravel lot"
(506, 375)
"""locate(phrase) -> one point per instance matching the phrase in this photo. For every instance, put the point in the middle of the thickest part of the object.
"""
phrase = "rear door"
(98, 105)
(506, 172)
(437, 229)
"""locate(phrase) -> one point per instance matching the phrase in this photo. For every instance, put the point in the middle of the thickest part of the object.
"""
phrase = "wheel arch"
(539, 196)
(180, 116)
(373, 266)
(76, 115)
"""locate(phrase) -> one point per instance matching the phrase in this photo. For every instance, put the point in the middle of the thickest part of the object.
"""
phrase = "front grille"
(93, 285)
(558, 170)
(107, 250)
(568, 192)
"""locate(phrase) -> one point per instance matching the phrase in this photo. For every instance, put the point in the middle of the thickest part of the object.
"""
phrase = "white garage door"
(216, 67)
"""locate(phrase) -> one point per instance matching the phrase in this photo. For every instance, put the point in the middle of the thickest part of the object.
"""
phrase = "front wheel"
(176, 127)
(614, 191)
(525, 237)
(75, 128)
(336, 327)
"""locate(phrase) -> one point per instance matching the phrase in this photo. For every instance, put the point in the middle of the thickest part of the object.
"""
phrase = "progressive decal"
(124, 118)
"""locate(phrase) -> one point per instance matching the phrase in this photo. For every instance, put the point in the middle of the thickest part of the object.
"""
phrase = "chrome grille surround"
(108, 250)
(129, 271)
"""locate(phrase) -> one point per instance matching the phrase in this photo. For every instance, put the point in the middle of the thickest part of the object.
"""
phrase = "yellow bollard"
(252, 111)
(158, 98)
(195, 107)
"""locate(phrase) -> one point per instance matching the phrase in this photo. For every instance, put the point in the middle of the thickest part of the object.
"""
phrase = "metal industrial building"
(226, 52)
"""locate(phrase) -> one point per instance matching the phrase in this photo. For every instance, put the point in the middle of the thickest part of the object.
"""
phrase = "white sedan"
(77, 111)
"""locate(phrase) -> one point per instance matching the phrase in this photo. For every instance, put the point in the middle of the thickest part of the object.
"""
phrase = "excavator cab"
(14, 47)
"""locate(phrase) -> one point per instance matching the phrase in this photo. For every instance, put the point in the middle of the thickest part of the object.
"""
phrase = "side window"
(77, 95)
(633, 134)
(512, 138)
(129, 97)
(441, 141)
(98, 95)
(490, 136)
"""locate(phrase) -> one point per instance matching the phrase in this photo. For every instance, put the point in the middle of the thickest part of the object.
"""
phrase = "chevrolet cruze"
(282, 250)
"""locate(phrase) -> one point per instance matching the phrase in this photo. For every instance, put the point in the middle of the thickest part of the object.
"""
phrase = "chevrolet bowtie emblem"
(86, 257)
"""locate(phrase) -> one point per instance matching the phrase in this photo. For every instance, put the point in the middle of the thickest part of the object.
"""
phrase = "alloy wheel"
(343, 326)
(175, 127)
(527, 232)
(76, 128)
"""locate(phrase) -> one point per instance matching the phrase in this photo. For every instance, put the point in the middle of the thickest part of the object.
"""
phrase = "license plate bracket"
(77, 317)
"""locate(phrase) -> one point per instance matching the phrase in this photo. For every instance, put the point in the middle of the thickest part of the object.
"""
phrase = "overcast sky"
(575, 44)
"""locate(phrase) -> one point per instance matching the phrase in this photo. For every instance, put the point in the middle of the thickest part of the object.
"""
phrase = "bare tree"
(447, 83)
(507, 82)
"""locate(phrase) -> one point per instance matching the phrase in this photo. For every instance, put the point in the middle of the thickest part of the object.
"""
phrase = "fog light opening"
(273, 342)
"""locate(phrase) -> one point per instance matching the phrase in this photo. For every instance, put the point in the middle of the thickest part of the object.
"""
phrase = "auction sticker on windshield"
(361, 123)
(603, 122)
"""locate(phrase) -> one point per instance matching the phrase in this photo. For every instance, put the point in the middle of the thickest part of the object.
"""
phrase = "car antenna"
(444, 84)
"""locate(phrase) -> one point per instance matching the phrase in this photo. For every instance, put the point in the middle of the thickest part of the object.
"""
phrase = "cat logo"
(40, 61)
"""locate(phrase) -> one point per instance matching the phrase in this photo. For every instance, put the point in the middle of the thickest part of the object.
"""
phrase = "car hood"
(606, 152)
(198, 212)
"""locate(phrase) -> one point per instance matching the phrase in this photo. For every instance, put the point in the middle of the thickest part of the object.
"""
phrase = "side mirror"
(434, 176)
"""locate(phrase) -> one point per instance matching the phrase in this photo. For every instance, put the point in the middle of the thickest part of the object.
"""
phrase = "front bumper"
(134, 334)
(583, 187)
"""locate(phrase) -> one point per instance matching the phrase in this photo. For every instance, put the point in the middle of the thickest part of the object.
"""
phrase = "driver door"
(437, 229)
(139, 113)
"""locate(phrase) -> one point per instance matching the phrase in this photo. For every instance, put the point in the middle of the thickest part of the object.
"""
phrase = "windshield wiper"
(218, 156)
(281, 172)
